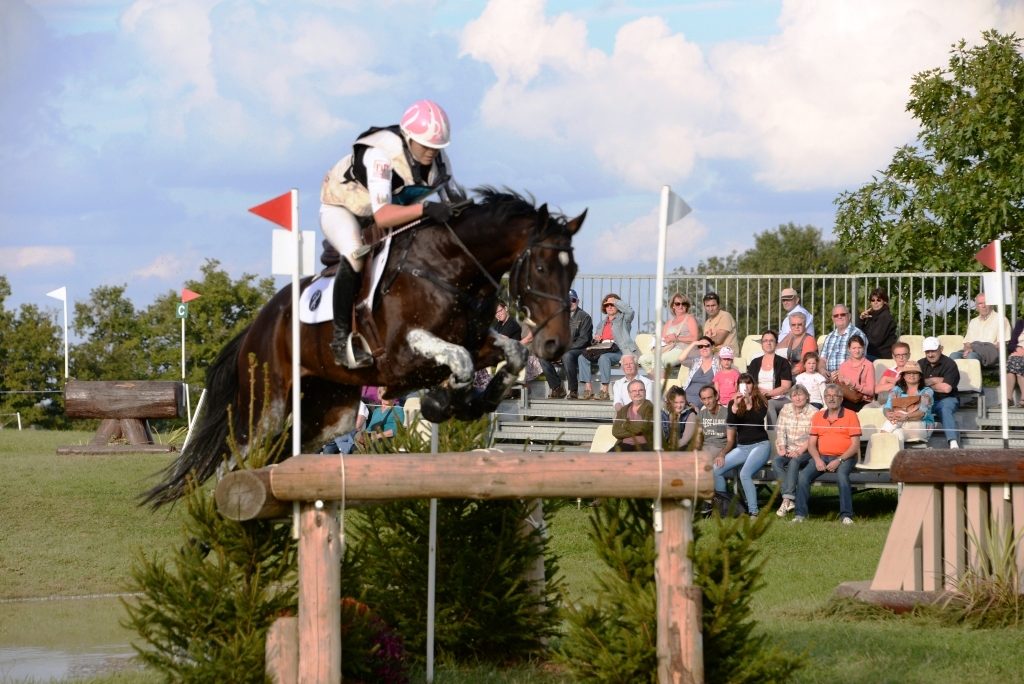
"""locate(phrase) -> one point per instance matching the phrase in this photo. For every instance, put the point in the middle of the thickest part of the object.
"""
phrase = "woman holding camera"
(747, 445)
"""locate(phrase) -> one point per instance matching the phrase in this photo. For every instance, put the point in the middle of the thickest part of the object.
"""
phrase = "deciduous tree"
(962, 184)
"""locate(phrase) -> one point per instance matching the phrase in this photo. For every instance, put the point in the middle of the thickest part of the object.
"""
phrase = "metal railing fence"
(921, 303)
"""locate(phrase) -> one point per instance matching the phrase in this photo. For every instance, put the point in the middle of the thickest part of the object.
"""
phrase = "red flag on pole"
(188, 295)
(278, 210)
(986, 256)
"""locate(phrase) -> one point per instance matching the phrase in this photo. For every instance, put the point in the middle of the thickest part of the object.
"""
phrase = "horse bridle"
(523, 263)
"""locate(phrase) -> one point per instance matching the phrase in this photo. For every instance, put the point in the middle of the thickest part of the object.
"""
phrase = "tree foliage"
(962, 184)
(789, 248)
(31, 363)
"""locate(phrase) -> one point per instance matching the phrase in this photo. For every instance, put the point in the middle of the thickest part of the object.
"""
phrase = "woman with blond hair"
(677, 336)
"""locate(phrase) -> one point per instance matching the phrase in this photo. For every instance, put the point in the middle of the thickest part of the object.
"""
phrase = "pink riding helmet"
(426, 123)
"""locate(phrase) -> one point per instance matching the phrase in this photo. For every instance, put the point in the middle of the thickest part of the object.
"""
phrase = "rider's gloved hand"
(438, 211)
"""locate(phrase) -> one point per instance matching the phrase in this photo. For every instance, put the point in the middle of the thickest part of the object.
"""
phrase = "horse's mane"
(506, 204)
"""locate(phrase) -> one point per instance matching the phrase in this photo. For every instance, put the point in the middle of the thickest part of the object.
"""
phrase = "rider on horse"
(380, 182)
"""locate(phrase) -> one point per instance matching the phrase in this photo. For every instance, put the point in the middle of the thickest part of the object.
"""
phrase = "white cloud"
(823, 102)
(19, 258)
(819, 105)
(636, 242)
(551, 85)
(171, 266)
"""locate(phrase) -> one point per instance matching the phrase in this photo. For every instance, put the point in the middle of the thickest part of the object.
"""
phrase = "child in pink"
(727, 377)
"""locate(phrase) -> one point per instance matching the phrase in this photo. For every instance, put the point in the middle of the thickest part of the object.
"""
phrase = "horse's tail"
(207, 446)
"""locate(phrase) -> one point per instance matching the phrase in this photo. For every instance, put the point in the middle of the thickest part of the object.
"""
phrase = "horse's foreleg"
(456, 358)
(516, 355)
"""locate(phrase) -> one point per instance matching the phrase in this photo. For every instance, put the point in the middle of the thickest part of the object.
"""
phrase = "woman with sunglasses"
(702, 372)
(747, 445)
(908, 410)
(877, 323)
(677, 336)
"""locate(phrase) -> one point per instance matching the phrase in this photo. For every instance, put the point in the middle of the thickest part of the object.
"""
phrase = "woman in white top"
(677, 336)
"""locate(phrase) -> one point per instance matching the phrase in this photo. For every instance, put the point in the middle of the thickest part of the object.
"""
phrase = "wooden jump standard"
(319, 483)
(949, 500)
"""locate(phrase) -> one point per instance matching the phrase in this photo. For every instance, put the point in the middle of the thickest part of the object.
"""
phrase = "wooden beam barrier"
(950, 499)
(123, 406)
(246, 495)
(319, 482)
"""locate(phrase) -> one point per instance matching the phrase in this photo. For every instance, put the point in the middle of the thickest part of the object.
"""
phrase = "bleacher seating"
(871, 420)
(603, 440)
(916, 343)
(882, 448)
(970, 382)
(751, 348)
(645, 342)
(951, 343)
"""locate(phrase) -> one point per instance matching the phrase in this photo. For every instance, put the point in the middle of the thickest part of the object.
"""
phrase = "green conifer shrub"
(485, 609)
(613, 637)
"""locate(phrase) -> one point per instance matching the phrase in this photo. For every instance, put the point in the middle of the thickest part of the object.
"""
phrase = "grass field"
(70, 527)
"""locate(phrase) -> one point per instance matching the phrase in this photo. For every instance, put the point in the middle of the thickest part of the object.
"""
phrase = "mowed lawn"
(71, 526)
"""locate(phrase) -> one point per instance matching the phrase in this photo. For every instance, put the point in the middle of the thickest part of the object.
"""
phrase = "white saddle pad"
(316, 304)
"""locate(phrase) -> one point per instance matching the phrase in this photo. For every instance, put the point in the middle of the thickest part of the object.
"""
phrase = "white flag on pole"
(60, 293)
(677, 208)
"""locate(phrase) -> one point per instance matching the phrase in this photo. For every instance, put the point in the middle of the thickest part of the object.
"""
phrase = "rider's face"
(421, 153)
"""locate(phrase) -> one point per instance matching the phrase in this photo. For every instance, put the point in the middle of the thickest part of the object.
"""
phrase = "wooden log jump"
(123, 406)
(319, 482)
(950, 501)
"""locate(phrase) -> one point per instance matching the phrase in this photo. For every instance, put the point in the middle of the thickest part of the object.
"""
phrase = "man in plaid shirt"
(834, 350)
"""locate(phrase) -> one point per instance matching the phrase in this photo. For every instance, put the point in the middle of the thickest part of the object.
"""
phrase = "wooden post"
(282, 652)
(680, 643)
(535, 574)
(319, 593)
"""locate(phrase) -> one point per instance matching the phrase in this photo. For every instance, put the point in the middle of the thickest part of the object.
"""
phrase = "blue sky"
(134, 135)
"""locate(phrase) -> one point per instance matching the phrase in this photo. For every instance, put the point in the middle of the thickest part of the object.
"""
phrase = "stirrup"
(347, 356)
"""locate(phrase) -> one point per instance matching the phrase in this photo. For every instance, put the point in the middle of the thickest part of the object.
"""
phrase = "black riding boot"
(348, 352)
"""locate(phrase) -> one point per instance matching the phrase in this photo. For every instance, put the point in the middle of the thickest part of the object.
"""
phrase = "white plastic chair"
(603, 440)
(751, 348)
(882, 448)
(916, 343)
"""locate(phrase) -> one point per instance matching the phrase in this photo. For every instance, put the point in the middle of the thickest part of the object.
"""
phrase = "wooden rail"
(319, 482)
(951, 499)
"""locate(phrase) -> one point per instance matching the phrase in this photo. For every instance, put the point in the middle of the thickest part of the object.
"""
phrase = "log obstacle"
(951, 500)
(123, 407)
(318, 483)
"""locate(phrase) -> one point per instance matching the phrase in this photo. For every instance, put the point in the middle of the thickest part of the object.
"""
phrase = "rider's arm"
(378, 183)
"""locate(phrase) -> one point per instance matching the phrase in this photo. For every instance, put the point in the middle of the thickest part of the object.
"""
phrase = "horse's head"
(540, 280)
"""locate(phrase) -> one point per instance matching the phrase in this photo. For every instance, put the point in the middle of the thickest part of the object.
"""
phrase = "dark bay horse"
(433, 324)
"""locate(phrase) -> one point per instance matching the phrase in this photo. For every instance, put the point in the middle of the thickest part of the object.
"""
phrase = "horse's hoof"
(436, 406)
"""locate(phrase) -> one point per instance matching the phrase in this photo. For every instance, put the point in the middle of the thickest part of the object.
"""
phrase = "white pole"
(296, 340)
(183, 348)
(431, 567)
(199, 406)
(19, 420)
(659, 291)
(66, 374)
(1004, 402)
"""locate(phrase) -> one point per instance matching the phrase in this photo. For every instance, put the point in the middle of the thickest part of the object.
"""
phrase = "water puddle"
(63, 639)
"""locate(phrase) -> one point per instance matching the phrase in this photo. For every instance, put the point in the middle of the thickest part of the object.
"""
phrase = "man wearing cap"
(982, 339)
(942, 375)
(791, 304)
(582, 328)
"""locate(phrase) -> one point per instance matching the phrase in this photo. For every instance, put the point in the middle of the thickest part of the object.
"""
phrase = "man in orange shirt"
(834, 445)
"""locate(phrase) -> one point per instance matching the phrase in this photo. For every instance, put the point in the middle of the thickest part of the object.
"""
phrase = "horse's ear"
(542, 215)
(576, 223)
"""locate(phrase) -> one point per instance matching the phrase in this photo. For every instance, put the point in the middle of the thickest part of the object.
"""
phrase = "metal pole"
(431, 567)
